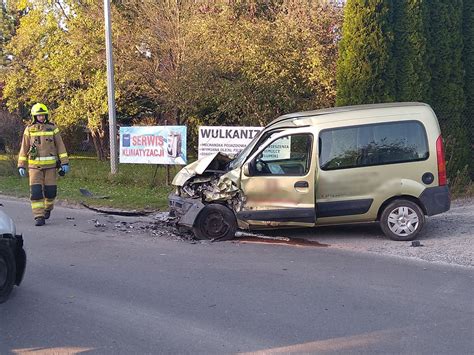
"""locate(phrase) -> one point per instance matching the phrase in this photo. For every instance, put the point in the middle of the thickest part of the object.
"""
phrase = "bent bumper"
(185, 210)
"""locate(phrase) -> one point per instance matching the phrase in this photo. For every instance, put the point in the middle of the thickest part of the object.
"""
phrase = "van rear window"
(375, 144)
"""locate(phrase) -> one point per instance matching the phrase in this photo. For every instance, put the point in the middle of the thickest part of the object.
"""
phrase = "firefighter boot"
(39, 221)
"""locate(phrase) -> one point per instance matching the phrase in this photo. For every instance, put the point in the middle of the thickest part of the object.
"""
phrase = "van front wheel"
(215, 222)
(402, 220)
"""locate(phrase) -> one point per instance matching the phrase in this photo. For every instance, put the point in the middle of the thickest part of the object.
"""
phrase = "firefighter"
(42, 150)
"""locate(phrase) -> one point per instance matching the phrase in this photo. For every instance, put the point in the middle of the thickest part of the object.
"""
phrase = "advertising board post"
(167, 166)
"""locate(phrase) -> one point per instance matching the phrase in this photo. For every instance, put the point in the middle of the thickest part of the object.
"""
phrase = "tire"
(215, 222)
(20, 260)
(7, 271)
(402, 220)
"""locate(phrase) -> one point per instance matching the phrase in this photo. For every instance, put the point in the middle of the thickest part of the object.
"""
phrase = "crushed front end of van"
(207, 182)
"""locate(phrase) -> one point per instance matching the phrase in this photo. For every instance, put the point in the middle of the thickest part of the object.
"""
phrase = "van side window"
(289, 155)
(375, 144)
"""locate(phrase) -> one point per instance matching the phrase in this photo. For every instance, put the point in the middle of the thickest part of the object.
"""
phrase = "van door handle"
(300, 184)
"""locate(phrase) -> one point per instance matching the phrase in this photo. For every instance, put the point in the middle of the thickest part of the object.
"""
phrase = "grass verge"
(136, 186)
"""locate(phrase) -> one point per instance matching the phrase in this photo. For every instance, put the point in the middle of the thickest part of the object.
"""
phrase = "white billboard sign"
(231, 140)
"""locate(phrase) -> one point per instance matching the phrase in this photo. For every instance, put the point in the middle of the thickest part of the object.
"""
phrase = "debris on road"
(416, 243)
(116, 212)
(159, 225)
(97, 224)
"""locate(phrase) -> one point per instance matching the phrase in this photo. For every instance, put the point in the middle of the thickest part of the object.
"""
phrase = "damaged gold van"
(354, 164)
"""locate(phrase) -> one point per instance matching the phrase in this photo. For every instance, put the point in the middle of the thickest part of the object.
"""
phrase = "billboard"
(229, 140)
(153, 145)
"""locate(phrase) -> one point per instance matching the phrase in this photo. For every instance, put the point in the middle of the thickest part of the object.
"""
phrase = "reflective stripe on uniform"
(36, 162)
(37, 134)
(63, 155)
(42, 160)
(37, 204)
(56, 131)
(22, 158)
(49, 202)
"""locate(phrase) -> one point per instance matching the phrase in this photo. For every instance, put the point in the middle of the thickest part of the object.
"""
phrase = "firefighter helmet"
(39, 109)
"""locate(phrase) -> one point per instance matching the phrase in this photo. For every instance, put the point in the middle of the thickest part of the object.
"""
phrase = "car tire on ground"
(7, 272)
(402, 220)
(215, 222)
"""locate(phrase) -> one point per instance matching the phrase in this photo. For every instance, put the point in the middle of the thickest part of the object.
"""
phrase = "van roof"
(334, 110)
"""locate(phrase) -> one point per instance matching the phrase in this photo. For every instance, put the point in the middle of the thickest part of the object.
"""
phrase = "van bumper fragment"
(185, 210)
(436, 200)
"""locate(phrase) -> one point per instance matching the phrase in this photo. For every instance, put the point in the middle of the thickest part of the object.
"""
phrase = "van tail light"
(441, 162)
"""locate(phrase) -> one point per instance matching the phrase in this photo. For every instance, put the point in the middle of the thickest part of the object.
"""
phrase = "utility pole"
(110, 90)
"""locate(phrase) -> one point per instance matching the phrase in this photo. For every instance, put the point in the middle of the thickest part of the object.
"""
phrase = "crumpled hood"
(211, 162)
(6, 224)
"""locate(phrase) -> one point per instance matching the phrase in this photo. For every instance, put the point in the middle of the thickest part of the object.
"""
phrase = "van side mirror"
(246, 170)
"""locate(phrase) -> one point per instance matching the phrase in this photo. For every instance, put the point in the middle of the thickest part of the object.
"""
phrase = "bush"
(11, 130)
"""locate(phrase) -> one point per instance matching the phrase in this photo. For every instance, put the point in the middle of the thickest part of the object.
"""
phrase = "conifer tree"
(366, 69)
(468, 60)
(447, 77)
(410, 50)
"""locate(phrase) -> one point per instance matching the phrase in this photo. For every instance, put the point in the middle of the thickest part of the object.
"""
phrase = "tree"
(447, 78)
(366, 69)
(6, 31)
(410, 50)
(248, 70)
(215, 63)
(59, 58)
(468, 61)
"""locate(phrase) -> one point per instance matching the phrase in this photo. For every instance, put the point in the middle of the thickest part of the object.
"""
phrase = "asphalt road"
(109, 292)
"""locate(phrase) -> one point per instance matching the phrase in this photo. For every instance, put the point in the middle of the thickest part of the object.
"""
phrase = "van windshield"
(262, 137)
(242, 155)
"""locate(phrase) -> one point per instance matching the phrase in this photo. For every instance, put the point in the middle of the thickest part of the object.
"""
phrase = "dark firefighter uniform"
(41, 149)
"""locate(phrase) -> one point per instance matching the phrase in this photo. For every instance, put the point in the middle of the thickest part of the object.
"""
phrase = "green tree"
(447, 78)
(468, 59)
(240, 63)
(59, 58)
(410, 50)
(248, 70)
(6, 31)
(366, 69)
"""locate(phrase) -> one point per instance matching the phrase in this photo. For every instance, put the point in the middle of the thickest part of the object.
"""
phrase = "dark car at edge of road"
(12, 257)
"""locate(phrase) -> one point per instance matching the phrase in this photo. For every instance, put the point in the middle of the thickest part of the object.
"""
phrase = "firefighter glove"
(65, 168)
(22, 172)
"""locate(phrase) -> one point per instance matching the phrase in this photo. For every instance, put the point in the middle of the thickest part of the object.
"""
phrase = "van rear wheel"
(402, 220)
